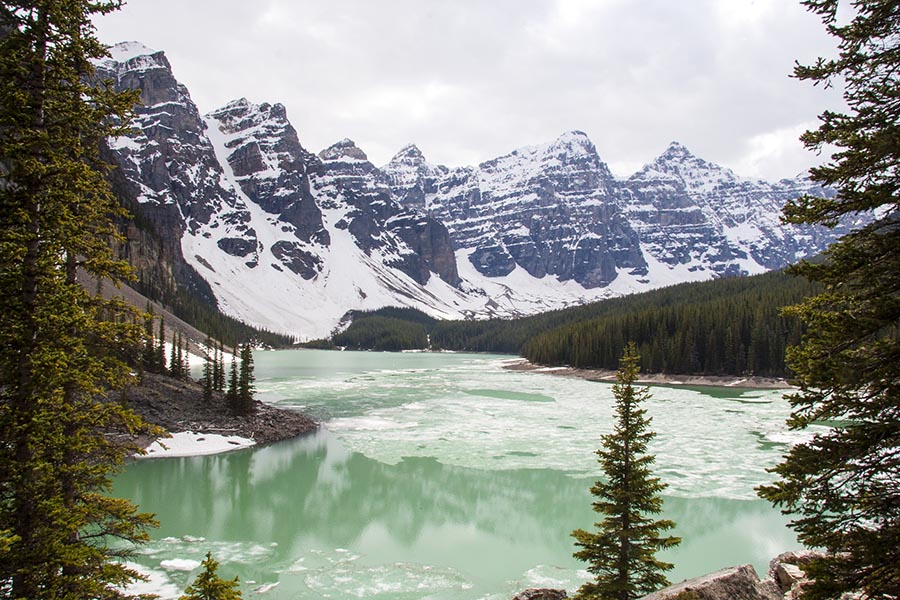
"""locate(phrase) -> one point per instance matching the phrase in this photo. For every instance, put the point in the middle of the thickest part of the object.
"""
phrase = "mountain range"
(288, 240)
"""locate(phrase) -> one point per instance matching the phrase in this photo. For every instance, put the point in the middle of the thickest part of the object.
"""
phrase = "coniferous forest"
(724, 327)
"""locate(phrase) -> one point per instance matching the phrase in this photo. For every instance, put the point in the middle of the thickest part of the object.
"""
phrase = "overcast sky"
(469, 80)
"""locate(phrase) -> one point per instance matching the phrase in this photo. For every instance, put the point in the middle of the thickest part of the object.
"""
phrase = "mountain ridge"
(290, 240)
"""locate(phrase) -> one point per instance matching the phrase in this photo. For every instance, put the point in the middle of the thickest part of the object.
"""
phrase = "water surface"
(445, 476)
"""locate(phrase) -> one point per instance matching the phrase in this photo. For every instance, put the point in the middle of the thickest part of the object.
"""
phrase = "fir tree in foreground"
(622, 553)
(210, 586)
(843, 486)
(62, 348)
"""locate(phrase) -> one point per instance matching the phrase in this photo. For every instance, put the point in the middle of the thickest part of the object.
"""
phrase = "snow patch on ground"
(188, 443)
(157, 583)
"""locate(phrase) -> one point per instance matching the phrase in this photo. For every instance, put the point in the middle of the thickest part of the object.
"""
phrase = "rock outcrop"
(734, 583)
(787, 571)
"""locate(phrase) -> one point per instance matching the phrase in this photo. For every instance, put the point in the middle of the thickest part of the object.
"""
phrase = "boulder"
(733, 583)
(787, 571)
(541, 594)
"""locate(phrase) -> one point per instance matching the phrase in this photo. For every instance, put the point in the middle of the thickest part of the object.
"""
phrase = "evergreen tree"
(174, 358)
(231, 396)
(148, 355)
(61, 347)
(220, 371)
(185, 354)
(216, 372)
(161, 348)
(622, 553)
(245, 382)
(843, 486)
(210, 586)
(208, 368)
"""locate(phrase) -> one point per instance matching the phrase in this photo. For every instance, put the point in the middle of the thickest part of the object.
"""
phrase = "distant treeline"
(727, 326)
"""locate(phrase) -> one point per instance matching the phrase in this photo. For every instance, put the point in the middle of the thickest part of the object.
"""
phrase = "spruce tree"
(174, 358)
(184, 351)
(209, 585)
(148, 354)
(161, 348)
(216, 373)
(220, 370)
(231, 396)
(61, 347)
(245, 382)
(208, 370)
(843, 486)
(622, 553)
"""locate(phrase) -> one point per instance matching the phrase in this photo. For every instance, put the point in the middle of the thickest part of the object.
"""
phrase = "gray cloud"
(468, 80)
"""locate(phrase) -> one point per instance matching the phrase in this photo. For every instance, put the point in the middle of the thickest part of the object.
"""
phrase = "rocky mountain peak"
(694, 173)
(677, 150)
(125, 51)
(241, 114)
(409, 155)
(344, 149)
(132, 57)
(573, 144)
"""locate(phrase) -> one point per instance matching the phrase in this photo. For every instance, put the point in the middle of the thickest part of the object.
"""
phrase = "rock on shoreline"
(784, 581)
(177, 405)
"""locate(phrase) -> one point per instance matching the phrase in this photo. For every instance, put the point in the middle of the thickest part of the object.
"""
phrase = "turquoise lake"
(446, 476)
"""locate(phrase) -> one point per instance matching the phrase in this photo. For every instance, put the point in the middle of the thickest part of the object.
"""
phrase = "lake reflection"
(445, 476)
(312, 515)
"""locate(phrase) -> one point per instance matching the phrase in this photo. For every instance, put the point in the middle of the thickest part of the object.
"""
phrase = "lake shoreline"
(609, 376)
(177, 406)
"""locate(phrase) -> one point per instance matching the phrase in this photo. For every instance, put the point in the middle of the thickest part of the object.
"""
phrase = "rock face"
(164, 168)
(282, 238)
(694, 213)
(734, 583)
(289, 240)
(551, 210)
(417, 244)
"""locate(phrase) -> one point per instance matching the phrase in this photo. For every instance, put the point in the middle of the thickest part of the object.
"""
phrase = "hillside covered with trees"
(728, 326)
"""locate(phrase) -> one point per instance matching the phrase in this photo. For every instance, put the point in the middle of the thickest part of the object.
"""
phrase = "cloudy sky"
(469, 80)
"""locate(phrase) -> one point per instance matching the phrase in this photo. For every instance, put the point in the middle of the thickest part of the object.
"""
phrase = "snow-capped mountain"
(694, 213)
(550, 209)
(290, 240)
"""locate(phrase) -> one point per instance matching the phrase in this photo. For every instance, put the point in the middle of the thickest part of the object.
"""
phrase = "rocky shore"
(784, 581)
(176, 405)
(604, 375)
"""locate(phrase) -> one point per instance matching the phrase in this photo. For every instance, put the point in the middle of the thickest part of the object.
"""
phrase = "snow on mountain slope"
(352, 266)
(550, 209)
(688, 210)
(291, 241)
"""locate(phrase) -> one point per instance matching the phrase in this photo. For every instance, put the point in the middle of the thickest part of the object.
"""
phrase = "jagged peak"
(409, 154)
(680, 163)
(238, 103)
(573, 143)
(677, 155)
(575, 135)
(241, 107)
(125, 51)
(346, 148)
(677, 148)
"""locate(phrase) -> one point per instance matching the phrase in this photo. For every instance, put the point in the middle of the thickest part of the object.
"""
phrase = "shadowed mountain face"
(290, 240)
